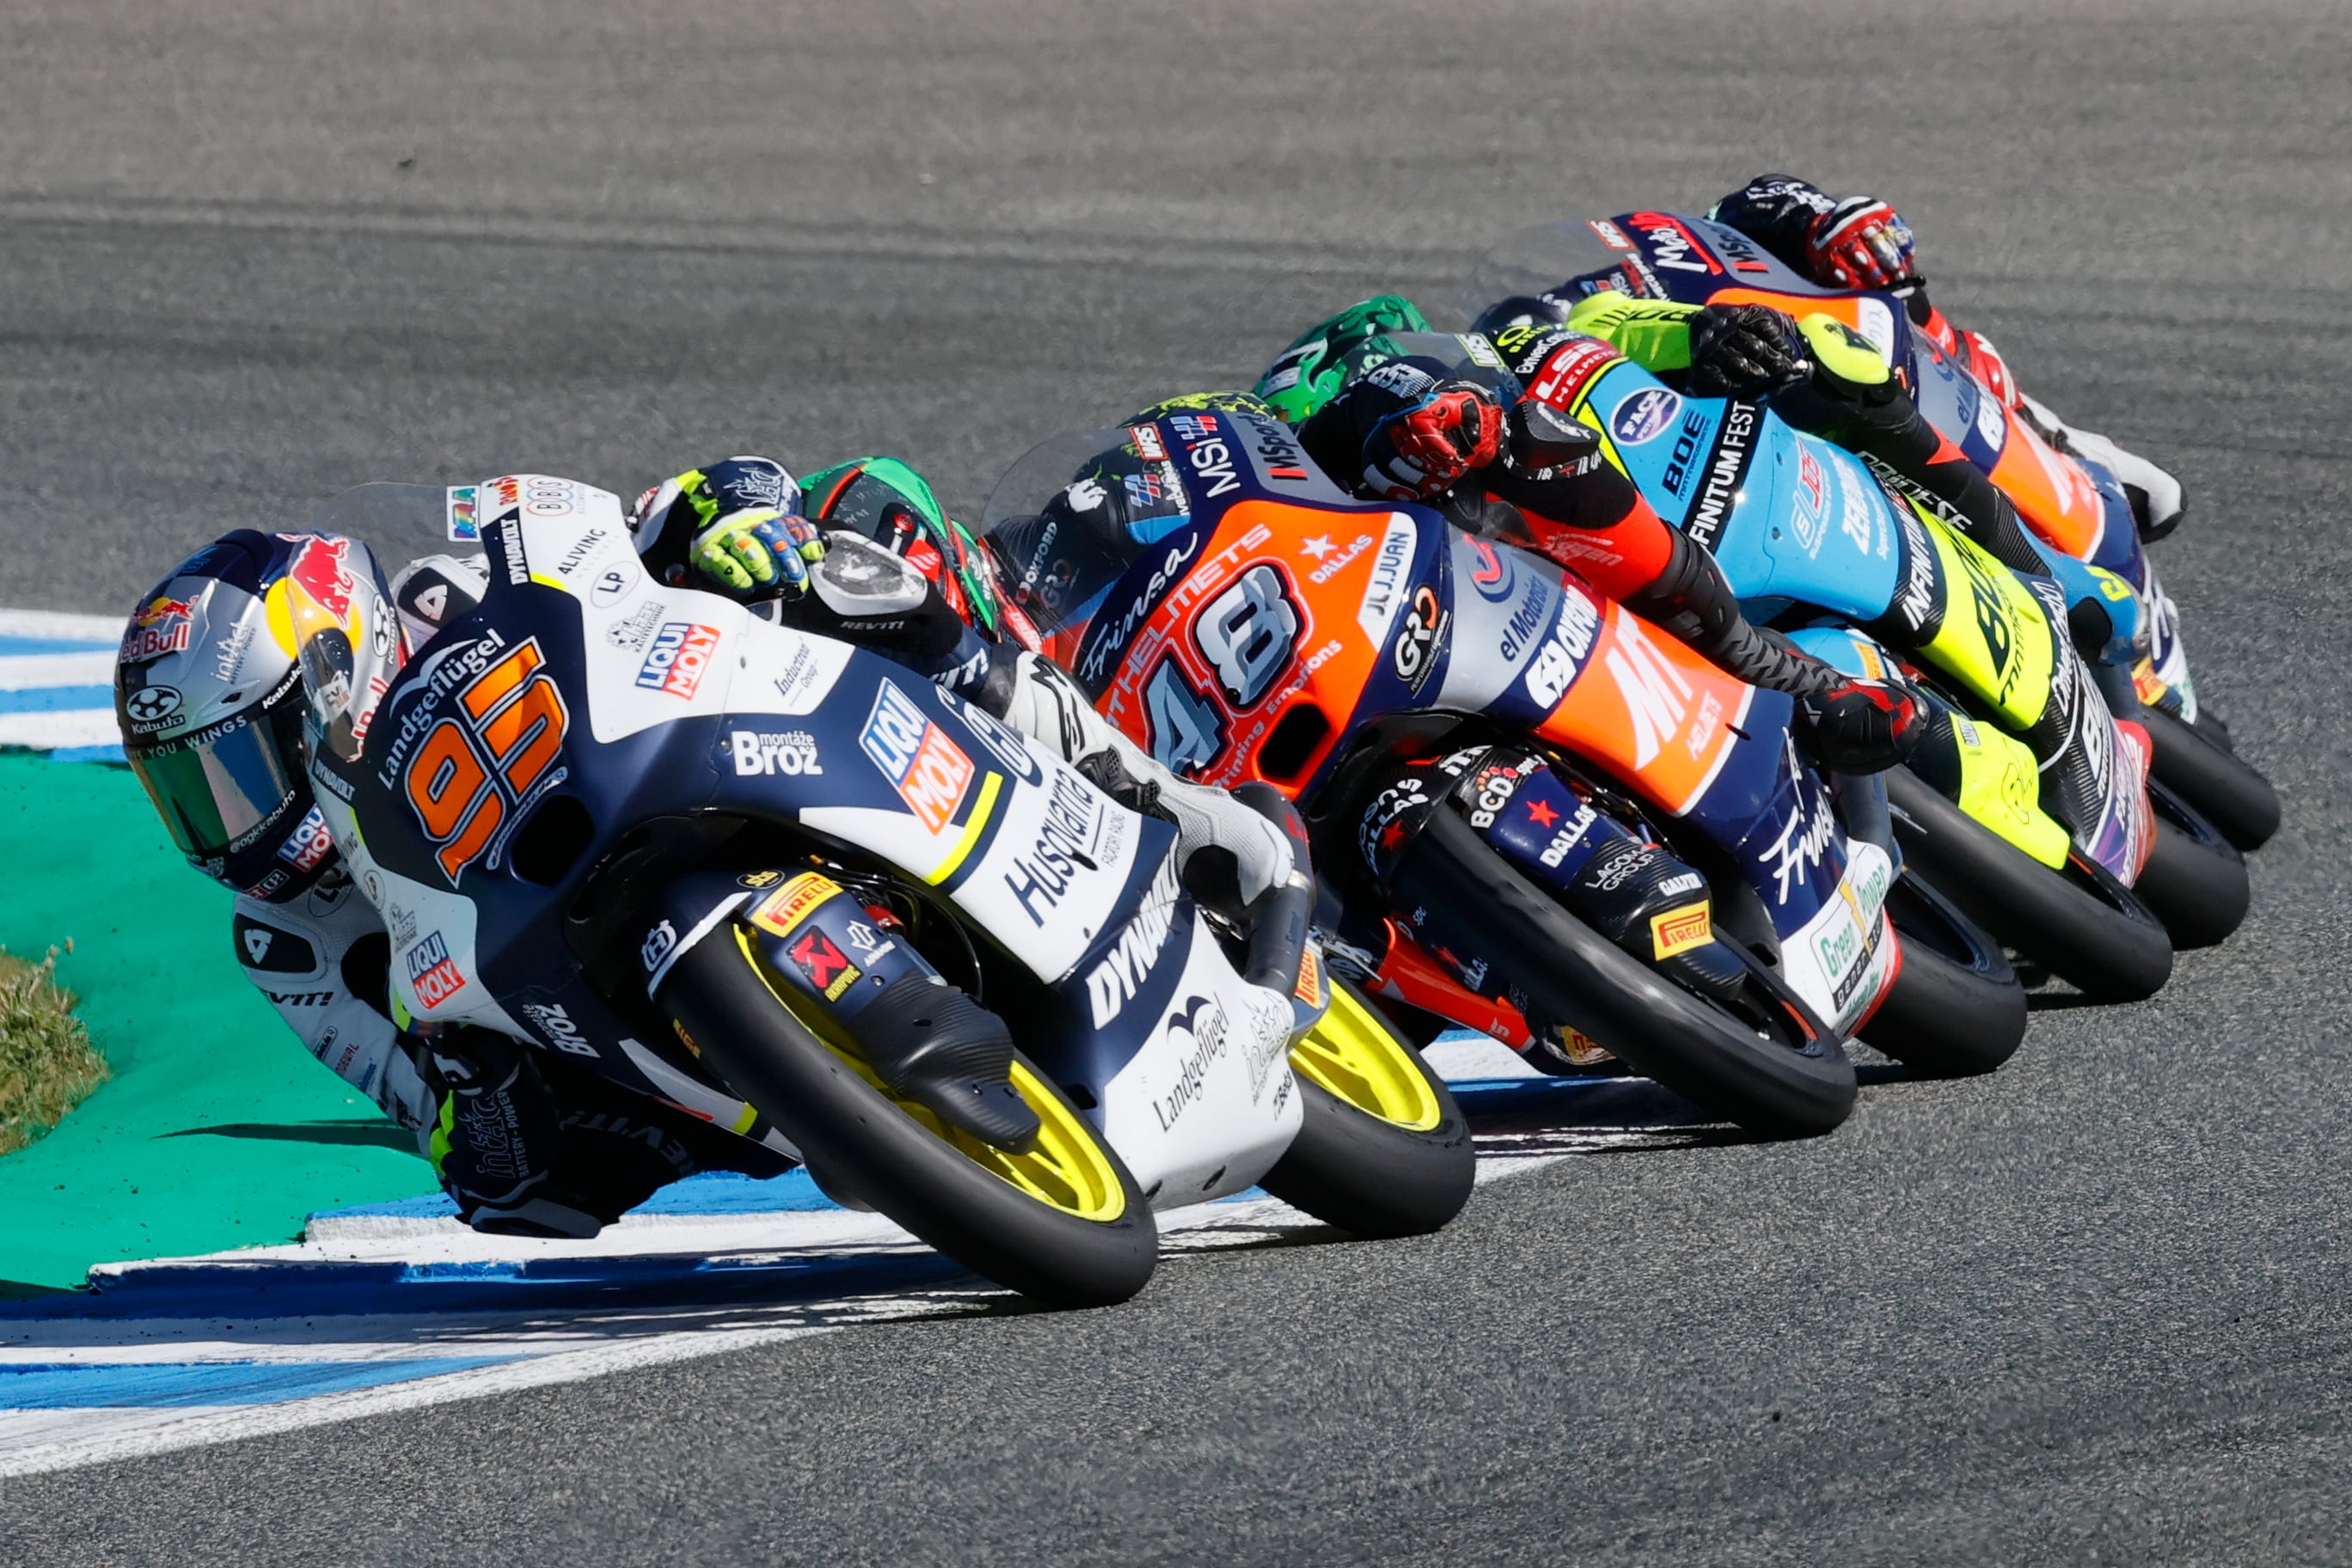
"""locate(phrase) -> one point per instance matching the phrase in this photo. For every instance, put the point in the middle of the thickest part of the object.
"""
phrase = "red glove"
(1860, 726)
(1861, 243)
(1424, 450)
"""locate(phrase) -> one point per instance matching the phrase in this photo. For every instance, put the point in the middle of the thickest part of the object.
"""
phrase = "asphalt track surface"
(2091, 1309)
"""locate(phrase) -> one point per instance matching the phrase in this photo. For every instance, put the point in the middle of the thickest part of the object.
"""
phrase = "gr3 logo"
(476, 768)
(1418, 643)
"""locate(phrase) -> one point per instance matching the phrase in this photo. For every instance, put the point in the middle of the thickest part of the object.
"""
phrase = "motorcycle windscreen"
(1557, 261)
(1069, 519)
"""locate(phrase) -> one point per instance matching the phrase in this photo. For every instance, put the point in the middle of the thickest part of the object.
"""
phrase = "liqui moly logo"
(679, 656)
(929, 769)
(431, 974)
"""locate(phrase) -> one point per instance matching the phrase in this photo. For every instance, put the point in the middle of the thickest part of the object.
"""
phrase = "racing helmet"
(1310, 374)
(208, 693)
(891, 504)
(1520, 311)
(1058, 556)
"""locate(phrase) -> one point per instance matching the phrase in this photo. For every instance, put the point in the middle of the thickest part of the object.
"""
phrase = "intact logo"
(309, 843)
(678, 659)
(1644, 416)
(162, 625)
(929, 769)
(431, 974)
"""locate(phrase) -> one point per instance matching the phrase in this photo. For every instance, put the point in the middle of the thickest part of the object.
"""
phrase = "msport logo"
(929, 769)
(1648, 414)
(678, 658)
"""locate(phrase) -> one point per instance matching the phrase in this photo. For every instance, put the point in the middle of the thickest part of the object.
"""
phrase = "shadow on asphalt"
(347, 1133)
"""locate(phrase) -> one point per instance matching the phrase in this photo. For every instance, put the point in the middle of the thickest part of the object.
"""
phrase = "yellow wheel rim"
(1067, 1170)
(1352, 1055)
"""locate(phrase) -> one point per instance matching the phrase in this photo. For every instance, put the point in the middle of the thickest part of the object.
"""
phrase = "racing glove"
(494, 1146)
(1860, 726)
(1745, 351)
(1231, 843)
(1424, 448)
(760, 553)
(1861, 243)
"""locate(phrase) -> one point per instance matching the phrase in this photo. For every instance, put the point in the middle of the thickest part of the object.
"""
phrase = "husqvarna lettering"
(1067, 844)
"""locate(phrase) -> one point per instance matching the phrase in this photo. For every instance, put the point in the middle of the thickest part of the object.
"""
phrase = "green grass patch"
(47, 1065)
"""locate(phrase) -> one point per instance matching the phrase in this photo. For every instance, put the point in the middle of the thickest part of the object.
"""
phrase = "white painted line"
(73, 726)
(63, 625)
(30, 671)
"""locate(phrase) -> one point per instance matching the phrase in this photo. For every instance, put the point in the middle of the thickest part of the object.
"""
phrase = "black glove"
(1860, 726)
(1745, 351)
(495, 1146)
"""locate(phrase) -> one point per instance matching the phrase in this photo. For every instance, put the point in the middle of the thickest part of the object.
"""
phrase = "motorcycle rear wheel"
(2195, 879)
(1065, 1224)
(2079, 922)
(1383, 1150)
(1765, 1062)
(1957, 1009)
(2223, 786)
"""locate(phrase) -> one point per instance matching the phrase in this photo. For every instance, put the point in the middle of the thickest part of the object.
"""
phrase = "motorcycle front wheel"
(1957, 1009)
(2077, 921)
(1064, 1224)
(2203, 770)
(1383, 1150)
(2195, 879)
(1761, 1059)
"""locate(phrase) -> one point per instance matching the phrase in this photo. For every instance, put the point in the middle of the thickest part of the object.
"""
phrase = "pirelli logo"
(789, 905)
(1679, 930)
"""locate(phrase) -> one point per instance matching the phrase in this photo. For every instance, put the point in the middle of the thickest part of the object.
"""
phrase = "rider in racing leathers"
(1490, 442)
(211, 707)
(1861, 242)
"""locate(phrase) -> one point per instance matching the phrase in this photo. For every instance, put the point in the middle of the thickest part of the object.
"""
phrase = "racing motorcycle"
(717, 860)
(1464, 726)
(2024, 739)
(2072, 502)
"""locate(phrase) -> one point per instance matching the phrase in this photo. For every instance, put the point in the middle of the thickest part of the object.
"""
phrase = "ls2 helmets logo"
(1647, 415)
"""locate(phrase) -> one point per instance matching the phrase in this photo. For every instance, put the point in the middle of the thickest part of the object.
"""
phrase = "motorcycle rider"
(1489, 442)
(210, 702)
(1861, 242)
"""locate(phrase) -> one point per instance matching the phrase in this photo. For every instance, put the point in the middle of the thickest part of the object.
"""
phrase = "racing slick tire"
(2223, 787)
(1383, 1150)
(1957, 1009)
(2078, 920)
(2195, 879)
(1765, 1062)
(1064, 1224)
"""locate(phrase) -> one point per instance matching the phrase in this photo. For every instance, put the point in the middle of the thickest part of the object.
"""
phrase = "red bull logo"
(162, 626)
(319, 571)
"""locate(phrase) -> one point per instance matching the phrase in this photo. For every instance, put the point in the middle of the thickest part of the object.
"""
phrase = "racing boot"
(2157, 502)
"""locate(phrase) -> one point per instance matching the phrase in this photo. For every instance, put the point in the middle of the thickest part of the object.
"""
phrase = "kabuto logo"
(678, 659)
(1644, 416)
(150, 706)
(929, 769)
(431, 974)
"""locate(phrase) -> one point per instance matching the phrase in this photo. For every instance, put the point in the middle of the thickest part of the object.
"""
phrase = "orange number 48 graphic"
(477, 767)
